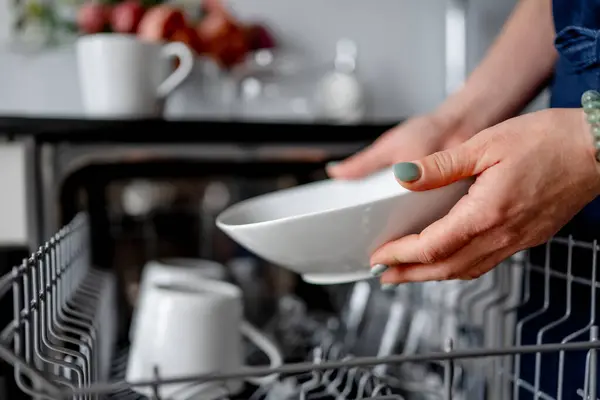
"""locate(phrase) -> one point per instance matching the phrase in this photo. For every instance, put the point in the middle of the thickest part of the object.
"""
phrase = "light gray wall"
(5, 20)
(401, 44)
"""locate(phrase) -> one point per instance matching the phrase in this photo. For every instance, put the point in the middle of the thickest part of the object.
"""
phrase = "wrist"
(456, 121)
(471, 110)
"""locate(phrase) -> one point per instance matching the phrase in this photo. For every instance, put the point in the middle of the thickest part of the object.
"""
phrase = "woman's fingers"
(470, 263)
(439, 240)
(363, 163)
(411, 140)
(418, 273)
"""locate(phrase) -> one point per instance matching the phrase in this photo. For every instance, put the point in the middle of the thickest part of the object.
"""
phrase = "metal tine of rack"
(57, 301)
(493, 297)
(568, 279)
(354, 362)
(364, 382)
(63, 332)
(521, 263)
(556, 322)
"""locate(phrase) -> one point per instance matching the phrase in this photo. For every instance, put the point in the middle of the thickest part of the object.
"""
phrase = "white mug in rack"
(121, 76)
(193, 327)
(174, 269)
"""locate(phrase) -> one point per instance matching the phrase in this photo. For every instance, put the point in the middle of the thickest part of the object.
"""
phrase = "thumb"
(440, 169)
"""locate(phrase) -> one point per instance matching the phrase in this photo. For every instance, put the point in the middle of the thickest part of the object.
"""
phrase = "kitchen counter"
(181, 131)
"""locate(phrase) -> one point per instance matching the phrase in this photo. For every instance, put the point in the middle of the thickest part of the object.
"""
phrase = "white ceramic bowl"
(327, 230)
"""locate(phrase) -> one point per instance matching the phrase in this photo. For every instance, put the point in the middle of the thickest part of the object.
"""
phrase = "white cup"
(193, 327)
(174, 270)
(123, 77)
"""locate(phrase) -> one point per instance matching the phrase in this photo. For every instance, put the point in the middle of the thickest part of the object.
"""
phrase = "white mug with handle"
(121, 76)
(193, 327)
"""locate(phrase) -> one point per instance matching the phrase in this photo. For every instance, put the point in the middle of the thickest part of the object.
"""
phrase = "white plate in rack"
(327, 230)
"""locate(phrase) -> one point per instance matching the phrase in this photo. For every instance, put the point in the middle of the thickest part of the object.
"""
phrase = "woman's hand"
(416, 138)
(533, 174)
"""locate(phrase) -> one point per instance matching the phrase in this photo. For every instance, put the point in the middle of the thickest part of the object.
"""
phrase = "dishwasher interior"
(73, 299)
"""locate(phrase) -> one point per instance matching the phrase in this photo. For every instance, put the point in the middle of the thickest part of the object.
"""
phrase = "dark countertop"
(181, 131)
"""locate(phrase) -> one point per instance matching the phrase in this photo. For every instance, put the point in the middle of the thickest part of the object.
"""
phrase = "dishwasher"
(109, 207)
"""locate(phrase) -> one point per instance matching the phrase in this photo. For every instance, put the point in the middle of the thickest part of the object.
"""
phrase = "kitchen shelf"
(55, 130)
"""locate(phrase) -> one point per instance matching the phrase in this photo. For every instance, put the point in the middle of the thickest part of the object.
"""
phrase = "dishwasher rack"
(62, 340)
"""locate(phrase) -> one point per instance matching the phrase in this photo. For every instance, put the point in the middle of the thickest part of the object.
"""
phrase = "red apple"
(223, 39)
(92, 17)
(232, 49)
(188, 36)
(259, 37)
(160, 23)
(126, 17)
(213, 25)
(214, 6)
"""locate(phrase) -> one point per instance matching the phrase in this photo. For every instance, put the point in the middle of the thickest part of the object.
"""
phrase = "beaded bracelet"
(590, 101)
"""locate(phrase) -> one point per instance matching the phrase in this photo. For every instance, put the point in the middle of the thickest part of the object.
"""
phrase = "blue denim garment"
(577, 41)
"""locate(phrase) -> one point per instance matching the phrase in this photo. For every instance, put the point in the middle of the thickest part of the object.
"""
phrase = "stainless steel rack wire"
(488, 338)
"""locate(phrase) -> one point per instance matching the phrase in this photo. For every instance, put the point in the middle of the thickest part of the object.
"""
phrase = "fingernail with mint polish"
(378, 269)
(388, 286)
(332, 164)
(407, 171)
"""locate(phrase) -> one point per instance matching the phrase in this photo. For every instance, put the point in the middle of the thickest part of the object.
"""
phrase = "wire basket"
(523, 331)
